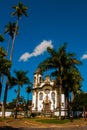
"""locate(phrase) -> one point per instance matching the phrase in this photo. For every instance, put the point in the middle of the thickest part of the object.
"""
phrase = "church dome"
(37, 71)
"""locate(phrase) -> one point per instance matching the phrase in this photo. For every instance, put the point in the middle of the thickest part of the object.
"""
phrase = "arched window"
(34, 79)
(41, 96)
(53, 95)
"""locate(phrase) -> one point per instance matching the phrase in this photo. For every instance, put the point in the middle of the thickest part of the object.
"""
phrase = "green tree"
(10, 29)
(80, 101)
(19, 11)
(61, 63)
(4, 67)
(73, 80)
(71, 85)
(20, 79)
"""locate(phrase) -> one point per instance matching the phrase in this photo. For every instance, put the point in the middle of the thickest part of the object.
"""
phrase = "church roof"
(37, 71)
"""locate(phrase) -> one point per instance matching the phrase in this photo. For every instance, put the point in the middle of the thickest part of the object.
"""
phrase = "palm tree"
(74, 80)
(1, 38)
(4, 67)
(10, 29)
(19, 11)
(60, 61)
(20, 79)
(71, 85)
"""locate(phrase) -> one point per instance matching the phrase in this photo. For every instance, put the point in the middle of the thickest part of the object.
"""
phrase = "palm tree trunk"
(5, 99)
(73, 95)
(0, 85)
(68, 108)
(65, 105)
(13, 41)
(2, 80)
(8, 47)
(6, 88)
(18, 95)
(27, 98)
(57, 98)
(0, 90)
(60, 88)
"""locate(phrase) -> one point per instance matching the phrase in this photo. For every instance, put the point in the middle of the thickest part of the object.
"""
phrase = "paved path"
(71, 128)
(74, 128)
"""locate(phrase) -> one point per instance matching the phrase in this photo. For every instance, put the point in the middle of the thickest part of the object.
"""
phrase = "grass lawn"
(53, 121)
(40, 122)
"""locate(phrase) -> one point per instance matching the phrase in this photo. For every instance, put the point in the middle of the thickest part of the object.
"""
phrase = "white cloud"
(25, 56)
(40, 49)
(84, 56)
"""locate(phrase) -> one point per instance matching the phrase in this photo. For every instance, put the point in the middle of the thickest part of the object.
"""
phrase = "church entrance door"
(47, 107)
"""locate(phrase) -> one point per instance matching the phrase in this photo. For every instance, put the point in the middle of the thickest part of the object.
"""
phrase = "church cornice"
(45, 86)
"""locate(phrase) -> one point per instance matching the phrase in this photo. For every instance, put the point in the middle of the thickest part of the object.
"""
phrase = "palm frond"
(1, 38)
(20, 10)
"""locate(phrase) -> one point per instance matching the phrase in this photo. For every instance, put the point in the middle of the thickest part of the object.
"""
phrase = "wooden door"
(47, 107)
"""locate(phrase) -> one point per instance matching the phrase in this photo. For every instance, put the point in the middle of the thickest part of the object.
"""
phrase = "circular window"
(47, 91)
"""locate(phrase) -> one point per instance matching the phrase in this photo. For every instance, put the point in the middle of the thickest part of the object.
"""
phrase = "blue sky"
(49, 23)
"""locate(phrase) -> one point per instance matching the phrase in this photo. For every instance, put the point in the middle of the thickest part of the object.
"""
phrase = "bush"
(33, 115)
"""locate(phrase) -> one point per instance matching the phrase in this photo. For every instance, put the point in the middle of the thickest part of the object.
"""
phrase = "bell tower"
(37, 78)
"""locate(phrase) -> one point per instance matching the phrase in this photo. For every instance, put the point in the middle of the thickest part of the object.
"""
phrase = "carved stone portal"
(46, 105)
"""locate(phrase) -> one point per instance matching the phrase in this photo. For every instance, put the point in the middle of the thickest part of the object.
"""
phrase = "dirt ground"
(19, 123)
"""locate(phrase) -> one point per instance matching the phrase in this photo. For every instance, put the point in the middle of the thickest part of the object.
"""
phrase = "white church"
(45, 96)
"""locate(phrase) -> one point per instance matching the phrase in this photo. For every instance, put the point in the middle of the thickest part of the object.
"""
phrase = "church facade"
(45, 95)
